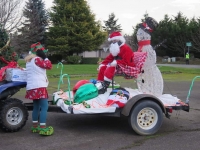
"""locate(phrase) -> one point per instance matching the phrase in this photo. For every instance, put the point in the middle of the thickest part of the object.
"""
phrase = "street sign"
(188, 44)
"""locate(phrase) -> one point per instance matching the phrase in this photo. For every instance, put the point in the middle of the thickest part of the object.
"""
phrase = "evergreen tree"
(111, 24)
(34, 25)
(182, 33)
(194, 31)
(73, 29)
(176, 32)
(3, 37)
(135, 29)
(164, 32)
(7, 53)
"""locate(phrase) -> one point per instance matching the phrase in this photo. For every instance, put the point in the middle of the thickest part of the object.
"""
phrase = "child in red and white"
(36, 65)
(122, 57)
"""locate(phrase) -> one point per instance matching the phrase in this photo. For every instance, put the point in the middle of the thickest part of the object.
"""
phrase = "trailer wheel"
(13, 115)
(146, 117)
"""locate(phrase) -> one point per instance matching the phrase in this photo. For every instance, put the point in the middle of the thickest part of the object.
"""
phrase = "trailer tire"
(13, 115)
(146, 117)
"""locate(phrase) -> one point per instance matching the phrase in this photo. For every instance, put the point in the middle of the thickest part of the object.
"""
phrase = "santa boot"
(105, 85)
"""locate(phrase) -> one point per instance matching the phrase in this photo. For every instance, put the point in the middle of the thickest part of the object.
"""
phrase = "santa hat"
(35, 47)
(149, 25)
(116, 36)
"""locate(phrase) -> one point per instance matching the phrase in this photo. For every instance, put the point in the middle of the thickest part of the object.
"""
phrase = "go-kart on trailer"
(144, 111)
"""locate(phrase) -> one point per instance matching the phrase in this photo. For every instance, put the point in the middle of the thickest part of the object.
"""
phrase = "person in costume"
(36, 89)
(121, 57)
(150, 79)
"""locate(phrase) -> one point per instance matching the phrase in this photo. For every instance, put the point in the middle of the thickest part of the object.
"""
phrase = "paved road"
(81, 132)
(180, 65)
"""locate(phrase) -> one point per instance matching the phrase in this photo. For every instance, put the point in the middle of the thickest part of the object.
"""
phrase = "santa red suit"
(128, 63)
(119, 55)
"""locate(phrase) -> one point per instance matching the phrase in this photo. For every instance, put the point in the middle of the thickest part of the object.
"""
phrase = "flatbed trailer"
(145, 112)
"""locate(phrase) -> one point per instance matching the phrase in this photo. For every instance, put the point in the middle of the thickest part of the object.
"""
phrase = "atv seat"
(3, 82)
(7, 85)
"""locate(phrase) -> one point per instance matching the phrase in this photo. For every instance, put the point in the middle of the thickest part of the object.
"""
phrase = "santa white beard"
(114, 49)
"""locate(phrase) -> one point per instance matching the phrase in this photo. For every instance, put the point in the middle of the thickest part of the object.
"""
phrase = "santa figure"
(121, 56)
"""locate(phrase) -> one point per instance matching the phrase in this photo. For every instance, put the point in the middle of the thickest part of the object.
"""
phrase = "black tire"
(146, 117)
(13, 115)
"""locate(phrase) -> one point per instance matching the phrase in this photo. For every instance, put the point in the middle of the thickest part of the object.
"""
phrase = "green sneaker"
(46, 131)
(35, 129)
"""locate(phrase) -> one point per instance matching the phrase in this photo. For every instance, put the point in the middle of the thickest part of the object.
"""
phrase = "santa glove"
(114, 63)
(41, 54)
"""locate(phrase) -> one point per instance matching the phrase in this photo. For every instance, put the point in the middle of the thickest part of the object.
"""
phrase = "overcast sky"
(130, 12)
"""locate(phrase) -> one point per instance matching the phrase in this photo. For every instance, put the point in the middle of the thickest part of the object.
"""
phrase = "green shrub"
(93, 60)
(74, 59)
(55, 58)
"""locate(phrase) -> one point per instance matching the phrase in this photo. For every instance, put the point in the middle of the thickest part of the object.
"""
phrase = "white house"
(104, 49)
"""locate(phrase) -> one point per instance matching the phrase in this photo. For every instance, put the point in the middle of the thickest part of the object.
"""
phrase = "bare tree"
(130, 40)
(10, 14)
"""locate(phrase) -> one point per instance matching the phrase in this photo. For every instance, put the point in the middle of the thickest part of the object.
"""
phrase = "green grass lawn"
(80, 72)
(179, 74)
(90, 71)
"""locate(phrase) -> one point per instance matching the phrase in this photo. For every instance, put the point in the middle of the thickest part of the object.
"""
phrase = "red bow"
(11, 64)
(147, 27)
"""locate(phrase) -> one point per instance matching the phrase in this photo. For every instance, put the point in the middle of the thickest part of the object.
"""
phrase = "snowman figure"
(150, 80)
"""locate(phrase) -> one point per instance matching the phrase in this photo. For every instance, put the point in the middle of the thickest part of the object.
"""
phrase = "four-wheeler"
(13, 112)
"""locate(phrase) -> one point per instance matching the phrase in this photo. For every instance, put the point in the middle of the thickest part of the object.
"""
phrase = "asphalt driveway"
(180, 65)
(92, 132)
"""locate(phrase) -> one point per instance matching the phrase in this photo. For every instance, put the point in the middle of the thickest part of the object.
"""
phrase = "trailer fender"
(131, 102)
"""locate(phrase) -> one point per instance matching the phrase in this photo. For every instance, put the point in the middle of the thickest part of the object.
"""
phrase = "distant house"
(103, 50)
(99, 53)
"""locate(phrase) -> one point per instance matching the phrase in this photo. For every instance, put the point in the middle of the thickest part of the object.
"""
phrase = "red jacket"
(126, 56)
